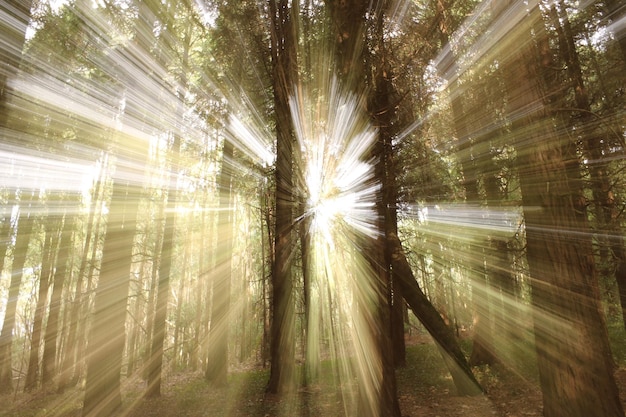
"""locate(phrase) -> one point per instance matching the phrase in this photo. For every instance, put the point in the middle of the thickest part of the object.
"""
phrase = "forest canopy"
(302, 189)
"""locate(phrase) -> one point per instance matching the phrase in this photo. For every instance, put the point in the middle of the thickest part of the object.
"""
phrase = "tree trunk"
(595, 148)
(311, 353)
(71, 358)
(15, 19)
(217, 360)
(573, 354)
(382, 109)
(52, 328)
(107, 335)
(12, 35)
(155, 360)
(24, 233)
(48, 251)
(282, 331)
(483, 350)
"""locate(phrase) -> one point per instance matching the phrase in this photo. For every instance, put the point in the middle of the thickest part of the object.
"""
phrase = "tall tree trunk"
(153, 293)
(71, 357)
(48, 251)
(217, 360)
(107, 334)
(24, 233)
(312, 362)
(134, 339)
(155, 361)
(595, 148)
(573, 354)
(86, 301)
(52, 230)
(282, 330)
(382, 109)
(52, 327)
(14, 19)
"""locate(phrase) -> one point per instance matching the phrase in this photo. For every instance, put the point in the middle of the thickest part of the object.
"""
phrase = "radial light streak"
(335, 139)
(505, 221)
(40, 170)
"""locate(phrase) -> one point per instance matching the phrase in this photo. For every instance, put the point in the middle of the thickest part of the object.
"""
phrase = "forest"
(264, 208)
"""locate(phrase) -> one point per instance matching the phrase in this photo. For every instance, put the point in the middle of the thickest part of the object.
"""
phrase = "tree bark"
(595, 148)
(282, 331)
(573, 354)
(383, 109)
(483, 349)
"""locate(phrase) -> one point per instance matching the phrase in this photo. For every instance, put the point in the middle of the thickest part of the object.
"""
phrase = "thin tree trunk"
(24, 233)
(77, 345)
(155, 361)
(52, 328)
(153, 290)
(32, 374)
(137, 328)
(312, 361)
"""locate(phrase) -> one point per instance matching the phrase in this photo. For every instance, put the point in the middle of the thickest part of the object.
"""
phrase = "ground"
(424, 389)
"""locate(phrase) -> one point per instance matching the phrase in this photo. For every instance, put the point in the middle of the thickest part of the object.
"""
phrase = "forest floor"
(425, 389)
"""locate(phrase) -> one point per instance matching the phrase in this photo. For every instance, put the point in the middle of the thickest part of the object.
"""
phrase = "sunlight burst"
(335, 139)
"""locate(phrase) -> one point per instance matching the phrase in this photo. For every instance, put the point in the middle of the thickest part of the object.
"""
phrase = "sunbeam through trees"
(296, 208)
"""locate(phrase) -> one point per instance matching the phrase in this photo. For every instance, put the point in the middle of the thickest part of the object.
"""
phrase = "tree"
(583, 120)
(13, 32)
(281, 16)
(386, 115)
(155, 361)
(217, 360)
(47, 251)
(24, 232)
(576, 375)
(12, 35)
(49, 359)
(382, 107)
(167, 252)
(107, 335)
